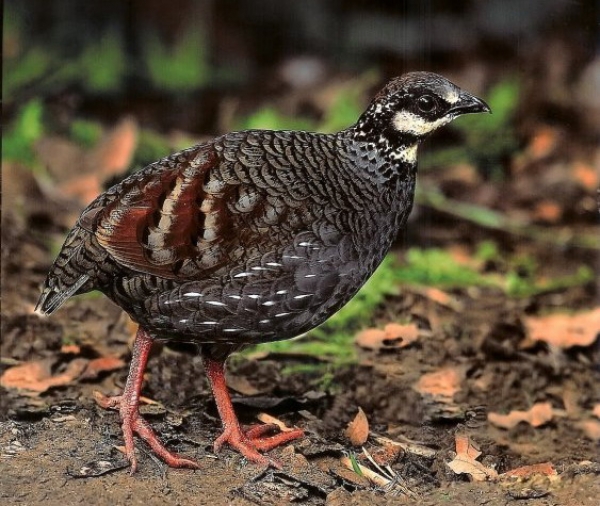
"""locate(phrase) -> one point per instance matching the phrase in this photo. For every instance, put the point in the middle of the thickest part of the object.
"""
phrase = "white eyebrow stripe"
(453, 97)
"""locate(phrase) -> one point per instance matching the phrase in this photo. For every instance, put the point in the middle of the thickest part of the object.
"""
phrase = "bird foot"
(133, 423)
(253, 440)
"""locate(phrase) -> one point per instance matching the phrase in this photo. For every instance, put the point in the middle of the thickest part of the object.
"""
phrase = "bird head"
(414, 105)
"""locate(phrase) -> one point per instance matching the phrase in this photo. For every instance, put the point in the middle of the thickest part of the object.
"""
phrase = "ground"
(59, 448)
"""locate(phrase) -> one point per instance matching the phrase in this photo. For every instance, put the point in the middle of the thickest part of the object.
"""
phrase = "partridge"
(251, 237)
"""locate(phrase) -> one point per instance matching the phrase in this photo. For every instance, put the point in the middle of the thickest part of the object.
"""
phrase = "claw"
(248, 443)
(127, 405)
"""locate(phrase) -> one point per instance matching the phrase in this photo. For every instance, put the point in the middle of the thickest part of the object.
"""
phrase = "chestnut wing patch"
(171, 221)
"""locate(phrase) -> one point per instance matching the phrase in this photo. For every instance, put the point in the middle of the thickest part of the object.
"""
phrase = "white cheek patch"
(407, 122)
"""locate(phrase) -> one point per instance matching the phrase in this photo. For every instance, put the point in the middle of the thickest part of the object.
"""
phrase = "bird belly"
(277, 296)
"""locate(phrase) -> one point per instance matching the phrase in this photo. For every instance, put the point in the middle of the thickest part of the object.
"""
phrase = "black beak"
(467, 103)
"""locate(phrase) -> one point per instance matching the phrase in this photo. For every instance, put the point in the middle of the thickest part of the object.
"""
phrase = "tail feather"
(73, 271)
(53, 297)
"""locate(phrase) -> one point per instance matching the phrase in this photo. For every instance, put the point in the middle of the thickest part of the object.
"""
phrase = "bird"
(251, 237)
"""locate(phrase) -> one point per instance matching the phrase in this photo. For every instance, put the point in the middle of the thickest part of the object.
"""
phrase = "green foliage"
(517, 276)
(269, 118)
(19, 68)
(103, 65)
(85, 132)
(25, 130)
(521, 284)
(180, 68)
(151, 147)
(344, 111)
(437, 267)
(98, 63)
(28, 69)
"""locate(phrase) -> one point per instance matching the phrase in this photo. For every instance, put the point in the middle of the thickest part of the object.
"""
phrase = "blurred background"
(93, 90)
(491, 292)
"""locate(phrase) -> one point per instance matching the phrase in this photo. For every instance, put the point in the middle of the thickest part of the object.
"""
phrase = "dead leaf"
(358, 429)
(241, 385)
(271, 420)
(441, 384)
(73, 349)
(37, 376)
(587, 175)
(591, 429)
(85, 188)
(111, 156)
(114, 152)
(393, 335)
(547, 211)
(543, 142)
(439, 297)
(387, 454)
(539, 414)
(465, 447)
(408, 446)
(563, 330)
(465, 461)
(102, 364)
(462, 255)
(544, 468)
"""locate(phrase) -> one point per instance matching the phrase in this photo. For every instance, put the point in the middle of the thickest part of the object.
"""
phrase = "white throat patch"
(407, 122)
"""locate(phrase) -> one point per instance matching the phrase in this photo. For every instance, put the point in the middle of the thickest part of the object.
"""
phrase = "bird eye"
(426, 103)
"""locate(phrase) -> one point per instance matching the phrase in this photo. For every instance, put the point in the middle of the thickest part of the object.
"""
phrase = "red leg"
(128, 405)
(249, 443)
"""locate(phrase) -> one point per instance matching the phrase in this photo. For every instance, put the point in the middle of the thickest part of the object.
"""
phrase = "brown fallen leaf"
(545, 468)
(539, 414)
(112, 155)
(114, 152)
(440, 297)
(102, 364)
(547, 211)
(591, 428)
(587, 175)
(393, 335)
(37, 376)
(543, 142)
(73, 349)
(271, 420)
(465, 461)
(441, 384)
(408, 446)
(564, 330)
(358, 429)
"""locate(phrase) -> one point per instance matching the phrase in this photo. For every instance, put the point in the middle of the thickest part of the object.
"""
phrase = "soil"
(59, 448)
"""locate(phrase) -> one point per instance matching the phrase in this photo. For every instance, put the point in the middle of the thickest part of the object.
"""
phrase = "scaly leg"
(128, 406)
(250, 442)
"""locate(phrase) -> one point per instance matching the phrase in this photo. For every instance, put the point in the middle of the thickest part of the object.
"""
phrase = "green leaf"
(182, 67)
(22, 134)
(104, 64)
(269, 118)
